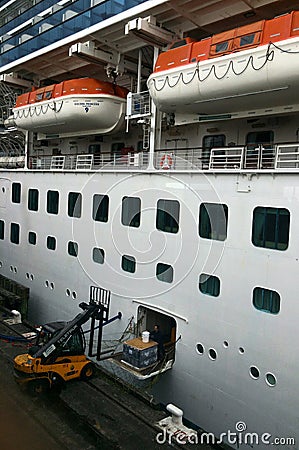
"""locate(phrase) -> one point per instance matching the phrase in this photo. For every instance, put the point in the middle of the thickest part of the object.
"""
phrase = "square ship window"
(164, 272)
(213, 221)
(270, 228)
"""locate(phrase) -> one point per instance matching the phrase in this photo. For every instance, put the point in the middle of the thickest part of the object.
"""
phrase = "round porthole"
(68, 293)
(212, 354)
(271, 379)
(74, 295)
(225, 344)
(241, 350)
(31, 277)
(254, 372)
(200, 349)
(52, 286)
(47, 283)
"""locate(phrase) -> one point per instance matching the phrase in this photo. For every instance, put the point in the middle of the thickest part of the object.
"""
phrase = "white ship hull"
(213, 393)
(235, 363)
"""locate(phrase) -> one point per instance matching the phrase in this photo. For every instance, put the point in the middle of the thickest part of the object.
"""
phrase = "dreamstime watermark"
(237, 437)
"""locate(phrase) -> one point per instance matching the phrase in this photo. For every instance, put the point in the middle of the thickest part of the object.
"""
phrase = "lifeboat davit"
(73, 107)
(248, 68)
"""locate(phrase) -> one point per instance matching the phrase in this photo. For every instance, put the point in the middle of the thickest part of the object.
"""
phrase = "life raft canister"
(166, 162)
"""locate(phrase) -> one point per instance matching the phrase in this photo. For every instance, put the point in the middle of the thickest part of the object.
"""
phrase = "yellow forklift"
(59, 353)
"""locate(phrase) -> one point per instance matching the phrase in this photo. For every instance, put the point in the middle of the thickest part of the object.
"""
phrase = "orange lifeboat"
(247, 68)
(73, 107)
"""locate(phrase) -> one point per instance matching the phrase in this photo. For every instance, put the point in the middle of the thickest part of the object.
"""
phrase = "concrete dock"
(99, 414)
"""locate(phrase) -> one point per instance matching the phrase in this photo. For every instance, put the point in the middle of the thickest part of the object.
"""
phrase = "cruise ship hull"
(216, 388)
(188, 216)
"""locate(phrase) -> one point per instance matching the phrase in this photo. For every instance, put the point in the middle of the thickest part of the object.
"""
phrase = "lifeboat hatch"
(142, 356)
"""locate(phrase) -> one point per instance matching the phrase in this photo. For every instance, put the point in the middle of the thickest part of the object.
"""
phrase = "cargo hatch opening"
(142, 356)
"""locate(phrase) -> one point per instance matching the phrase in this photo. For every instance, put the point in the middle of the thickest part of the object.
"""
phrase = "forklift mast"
(53, 348)
(62, 357)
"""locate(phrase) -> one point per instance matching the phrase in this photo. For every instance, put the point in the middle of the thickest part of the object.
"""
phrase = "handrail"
(250, 157)
(236, 158)
(287, 156)
(88, 162)
(228, 158)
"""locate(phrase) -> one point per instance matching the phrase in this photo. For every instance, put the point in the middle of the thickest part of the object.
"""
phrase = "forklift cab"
(59, 353)
(74, 345)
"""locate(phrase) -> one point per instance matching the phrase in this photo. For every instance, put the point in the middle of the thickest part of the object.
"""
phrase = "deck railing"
(87, 162)
(280, 157)
(271, 157)
(287, 156)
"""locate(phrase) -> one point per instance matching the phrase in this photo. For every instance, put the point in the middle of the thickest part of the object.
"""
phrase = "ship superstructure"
(181, 198)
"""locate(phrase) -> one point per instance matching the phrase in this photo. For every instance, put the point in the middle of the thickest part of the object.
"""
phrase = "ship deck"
(277, 157)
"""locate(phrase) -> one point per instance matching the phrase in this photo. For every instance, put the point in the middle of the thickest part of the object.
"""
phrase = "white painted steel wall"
(214, 394)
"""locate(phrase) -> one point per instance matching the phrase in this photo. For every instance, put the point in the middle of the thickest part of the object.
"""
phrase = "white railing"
(40, 162)
(226, 158)
(278, 157)
(199, 159)
(180, 159)
(230, 158)
(130, 161)
(287, 156)
(12, 162)
(86, 162)
(57, 162)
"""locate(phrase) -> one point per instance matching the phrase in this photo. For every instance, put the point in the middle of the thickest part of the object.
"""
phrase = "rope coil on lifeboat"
(38, 109)
(269, 56)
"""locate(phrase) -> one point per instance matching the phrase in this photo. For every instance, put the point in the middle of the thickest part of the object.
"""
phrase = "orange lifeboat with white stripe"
(249, 68)
(73, 107)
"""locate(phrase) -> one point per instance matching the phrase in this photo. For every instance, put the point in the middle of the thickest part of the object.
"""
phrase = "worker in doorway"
(156, 336)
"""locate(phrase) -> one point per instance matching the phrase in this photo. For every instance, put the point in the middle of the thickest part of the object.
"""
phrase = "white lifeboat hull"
(73, 114)
(263, 77)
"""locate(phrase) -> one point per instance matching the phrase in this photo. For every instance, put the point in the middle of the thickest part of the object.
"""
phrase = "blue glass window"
(213, 221)
(100, 208)
(131, 211)
(32, 238)
(164, 272)
(16, 193)
(270, 228)
(72, 248)
(2, 228)
(51, 243)
(209, 285)
(33, 196)
(52, 202)
(128, 263)
(98, 255)
(266, 300)
(168, 212)
(15, 233)
(74, 204)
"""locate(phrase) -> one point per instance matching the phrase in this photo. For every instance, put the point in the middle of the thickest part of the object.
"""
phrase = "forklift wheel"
(87, 372)
(38, 387)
